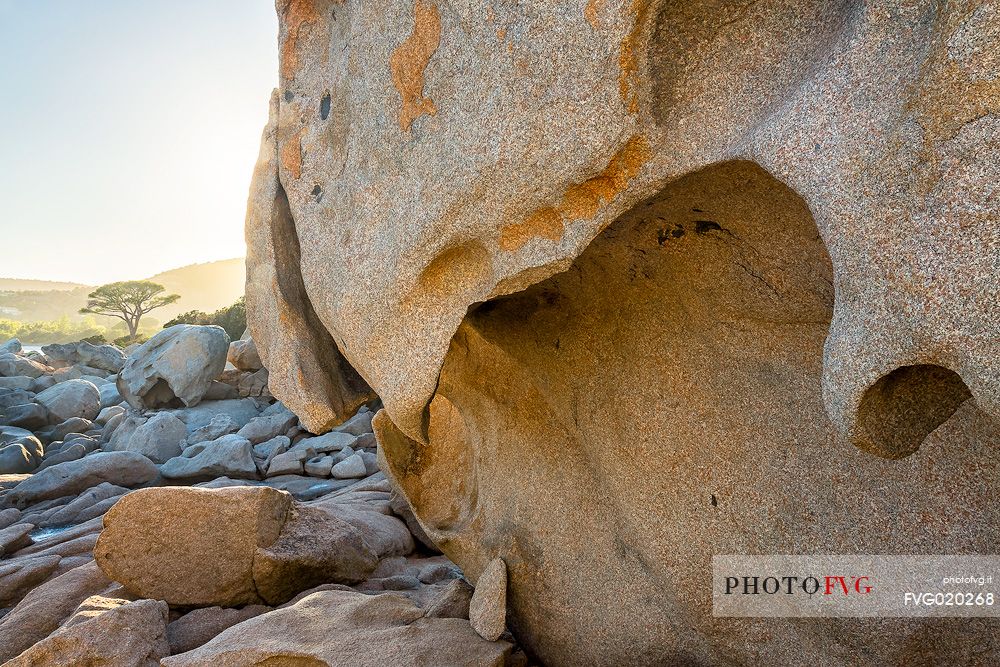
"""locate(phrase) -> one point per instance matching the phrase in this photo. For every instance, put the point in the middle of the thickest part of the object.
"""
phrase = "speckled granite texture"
(642, 281)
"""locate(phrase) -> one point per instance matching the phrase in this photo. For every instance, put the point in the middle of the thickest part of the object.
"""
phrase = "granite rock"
(73, 398)
(105, 357)
(174, 367)
(687, 245)
(336, 627)
(126, 633)
(126, 469)
(229, 456)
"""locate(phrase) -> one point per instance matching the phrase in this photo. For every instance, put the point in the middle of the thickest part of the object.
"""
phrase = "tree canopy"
(231, 318)
(128, 301)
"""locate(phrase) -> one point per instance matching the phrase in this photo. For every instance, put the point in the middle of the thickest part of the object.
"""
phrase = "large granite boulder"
(105, 357)
(227, 547)
(73, 398)
(13, 365)
(175, 367)
(725, 274)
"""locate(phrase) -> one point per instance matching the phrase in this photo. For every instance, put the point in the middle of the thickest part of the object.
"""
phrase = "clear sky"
(128, 133)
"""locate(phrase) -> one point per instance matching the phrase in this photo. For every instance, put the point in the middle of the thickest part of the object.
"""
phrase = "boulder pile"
(163, 506)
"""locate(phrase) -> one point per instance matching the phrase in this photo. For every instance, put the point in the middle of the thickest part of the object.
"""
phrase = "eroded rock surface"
(130, 634)
(228, 547)
(175, 367)
(191, 546)
(338, 627)
(709, 265)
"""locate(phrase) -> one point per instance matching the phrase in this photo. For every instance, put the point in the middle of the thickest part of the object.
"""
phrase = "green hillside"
(208, 287)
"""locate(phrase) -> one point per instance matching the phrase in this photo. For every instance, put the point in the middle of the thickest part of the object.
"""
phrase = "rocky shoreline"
(159, 506)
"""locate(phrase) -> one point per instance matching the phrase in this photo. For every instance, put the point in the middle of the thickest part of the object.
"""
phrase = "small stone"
(432, 574)
(287, 463)
(350, 468)
(28, 415)
(14, 365)
(107, 358)
(488, 608)
(452, 602)
(319, 466)
(15, 458)
(22, 382)
(400, 582)
(9, 517)
(230, 456)
(159, 439)
(133, 633)
(371, 462)
(273, 447)
(243, 355)
(109, 395)
(219, 426)
(338, 627)
(261, 429)
(342, 455)
(72, 452)
(105, 415)
(76, 510)
(330, 442)
(240, 410)
(19, 576)
(359, 424)
(63, 429)
(199, 626)
(45, 607)
(69, 479)
(15, 537)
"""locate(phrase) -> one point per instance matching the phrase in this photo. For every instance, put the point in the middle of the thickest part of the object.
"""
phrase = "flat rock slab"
(126, 469)
(337, 627)
(44, 608)
(128, 634)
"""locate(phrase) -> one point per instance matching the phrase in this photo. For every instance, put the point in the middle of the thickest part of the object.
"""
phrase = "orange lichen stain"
(581, 201)
(501, 34)
(628, 61)
(584, 200)
(291, 155)
(543, 223)
(409, 61)
(296, 14)
(591, 10)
